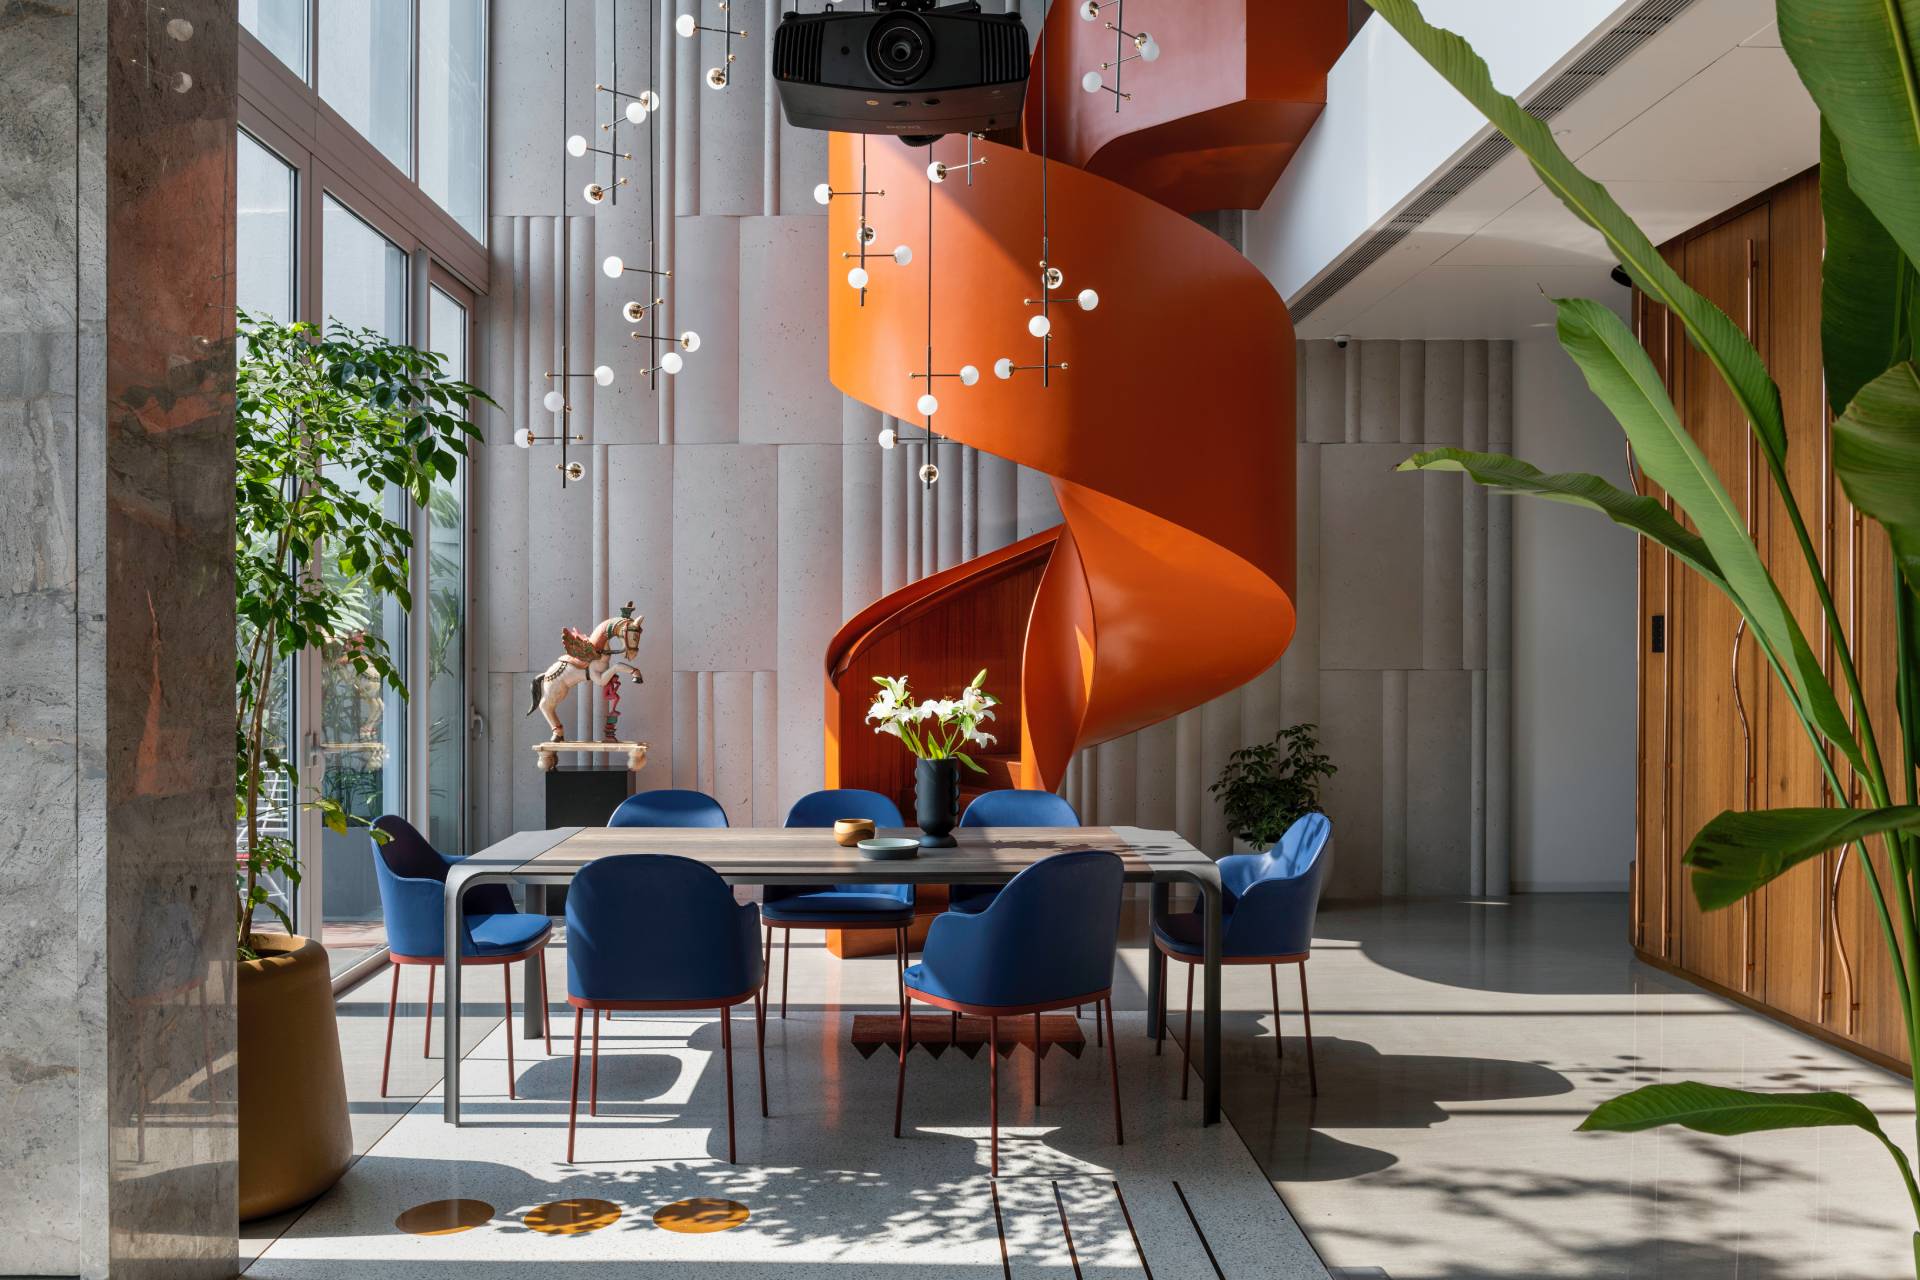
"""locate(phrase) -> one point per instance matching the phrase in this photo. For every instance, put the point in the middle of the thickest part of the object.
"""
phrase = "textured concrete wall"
(748, 511)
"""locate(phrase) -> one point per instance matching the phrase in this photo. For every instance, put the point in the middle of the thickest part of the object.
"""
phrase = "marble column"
(116, 637)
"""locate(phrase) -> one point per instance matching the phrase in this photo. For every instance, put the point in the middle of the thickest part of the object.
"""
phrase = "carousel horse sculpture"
(611, 648)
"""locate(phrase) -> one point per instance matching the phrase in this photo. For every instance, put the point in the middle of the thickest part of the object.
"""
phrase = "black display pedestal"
(578, 796)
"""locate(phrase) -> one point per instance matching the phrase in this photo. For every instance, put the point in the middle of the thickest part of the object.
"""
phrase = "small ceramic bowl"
(848, 832)
(889, 848)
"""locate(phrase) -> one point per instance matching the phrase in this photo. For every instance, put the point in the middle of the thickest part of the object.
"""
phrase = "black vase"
(936, 801)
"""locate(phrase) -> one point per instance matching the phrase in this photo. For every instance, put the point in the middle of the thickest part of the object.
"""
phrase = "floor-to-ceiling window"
(361, 183)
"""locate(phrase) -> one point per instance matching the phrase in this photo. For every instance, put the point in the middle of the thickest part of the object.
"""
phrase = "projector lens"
(900, 49)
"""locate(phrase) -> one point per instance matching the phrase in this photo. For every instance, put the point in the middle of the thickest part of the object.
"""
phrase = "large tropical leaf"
(1876, 453)
(1643, 515)
(1717, 336)
(1857, 59)
(1738, 852)
(1707, 1108)
(1623, 377)
(1866, 286)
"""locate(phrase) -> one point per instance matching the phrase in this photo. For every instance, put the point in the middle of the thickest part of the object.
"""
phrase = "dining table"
(540, 861)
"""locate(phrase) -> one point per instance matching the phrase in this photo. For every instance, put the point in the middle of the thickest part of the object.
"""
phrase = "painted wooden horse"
(600, 657)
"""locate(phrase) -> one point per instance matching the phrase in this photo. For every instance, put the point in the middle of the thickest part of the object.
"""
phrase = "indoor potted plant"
(1267, 786)
(936, 733)
(327, 425)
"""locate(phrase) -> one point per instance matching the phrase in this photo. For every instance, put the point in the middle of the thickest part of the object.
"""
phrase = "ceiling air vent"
(1639, 26)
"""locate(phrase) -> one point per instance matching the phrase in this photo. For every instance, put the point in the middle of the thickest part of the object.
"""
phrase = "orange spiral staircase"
(1169, 439)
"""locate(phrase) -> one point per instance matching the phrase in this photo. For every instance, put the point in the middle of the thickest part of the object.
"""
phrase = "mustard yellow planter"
(295, 1138)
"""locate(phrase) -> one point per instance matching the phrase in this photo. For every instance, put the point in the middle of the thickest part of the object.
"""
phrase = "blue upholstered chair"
(852, 907)
(669, 809)
(653, 931)
(1269, 904)
(1047, 942)
(1007, 808)
(412, 876)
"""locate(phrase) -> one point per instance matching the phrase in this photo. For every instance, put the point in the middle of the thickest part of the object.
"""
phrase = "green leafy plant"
(1857, 58)
(1265, 787)
(335, 430)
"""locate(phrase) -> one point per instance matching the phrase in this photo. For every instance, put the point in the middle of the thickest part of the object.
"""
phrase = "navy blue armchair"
(653, 931)
(852, 907)
(1269, 903)
(412, 876)
(669, 809)
(1047, 942)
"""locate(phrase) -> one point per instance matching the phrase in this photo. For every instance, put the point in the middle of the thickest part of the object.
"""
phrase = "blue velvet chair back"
(823, 809)
(411, 875)
(1019, 808)
(669, 809)
(1274, 896)
(653, 927)
(1049, 936)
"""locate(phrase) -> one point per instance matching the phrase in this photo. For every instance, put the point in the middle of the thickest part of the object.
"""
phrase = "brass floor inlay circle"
(700, 1215)
(572, 1217)
(444, 1217)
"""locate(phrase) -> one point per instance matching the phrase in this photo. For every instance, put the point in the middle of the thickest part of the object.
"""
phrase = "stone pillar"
(116, 637)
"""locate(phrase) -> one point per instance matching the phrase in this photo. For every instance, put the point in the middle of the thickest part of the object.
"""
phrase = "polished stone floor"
(1458, 1045)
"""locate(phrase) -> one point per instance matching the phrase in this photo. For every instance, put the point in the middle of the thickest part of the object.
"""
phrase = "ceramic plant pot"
(295, 1139)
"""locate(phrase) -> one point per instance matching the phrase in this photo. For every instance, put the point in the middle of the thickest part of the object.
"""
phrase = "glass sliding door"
(361, 744)
(449, 329)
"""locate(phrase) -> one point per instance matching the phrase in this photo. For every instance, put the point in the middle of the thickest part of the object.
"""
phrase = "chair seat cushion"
(505, 933)
(919, 978)
(972, 899)
(840, 904)
(1187, 934)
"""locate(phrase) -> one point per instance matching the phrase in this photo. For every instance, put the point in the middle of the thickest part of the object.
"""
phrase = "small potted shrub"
(326, 426)
(1267, 786)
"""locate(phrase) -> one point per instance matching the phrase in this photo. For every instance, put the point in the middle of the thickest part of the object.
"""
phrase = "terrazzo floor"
(826, 1187)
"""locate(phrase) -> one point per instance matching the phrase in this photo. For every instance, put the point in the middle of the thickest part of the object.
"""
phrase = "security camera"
(1341, 340)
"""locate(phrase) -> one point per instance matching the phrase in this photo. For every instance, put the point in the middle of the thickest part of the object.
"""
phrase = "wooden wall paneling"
(1652, 881)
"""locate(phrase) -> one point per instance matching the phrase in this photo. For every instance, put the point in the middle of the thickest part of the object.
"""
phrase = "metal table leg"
(1156, 963)
(452, 931)
(1210, 1064)
(533, 996)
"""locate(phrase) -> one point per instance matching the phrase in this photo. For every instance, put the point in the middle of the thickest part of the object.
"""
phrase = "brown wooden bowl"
(848, 832)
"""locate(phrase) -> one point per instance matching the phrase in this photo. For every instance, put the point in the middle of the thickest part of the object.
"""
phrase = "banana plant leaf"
(1738, 852)
(1623, 377)
(1643, 515)
(1867, 287)
(1876, 453)
(1857, 59)
(1707, 1108)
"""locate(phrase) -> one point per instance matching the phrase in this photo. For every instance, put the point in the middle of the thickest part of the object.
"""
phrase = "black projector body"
(908, 68)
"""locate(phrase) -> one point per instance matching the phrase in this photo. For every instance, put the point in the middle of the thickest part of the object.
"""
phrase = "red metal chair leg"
(393, 1001)
(993, 1095)
(546, 1012)
(573, 1094)
(760, 1038)
(1279, 1041)
(1113, 1074)
(1186, 1041)
(1306, 1019)
(766, 963)
(786, 969)
(1160, 1036)
(900, 964)
(1036, 1059)
(900, 1076)
(726, 1049)
(426, 1038)
(506, 985)
(1099, 1035)
(593, 1075)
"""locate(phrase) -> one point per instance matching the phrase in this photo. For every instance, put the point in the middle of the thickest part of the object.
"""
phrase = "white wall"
(1574, 634)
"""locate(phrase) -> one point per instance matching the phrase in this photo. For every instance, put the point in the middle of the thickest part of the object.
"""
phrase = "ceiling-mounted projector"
(909, 67)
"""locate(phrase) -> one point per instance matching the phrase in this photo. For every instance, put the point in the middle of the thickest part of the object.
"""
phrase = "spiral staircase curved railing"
(1169, 439)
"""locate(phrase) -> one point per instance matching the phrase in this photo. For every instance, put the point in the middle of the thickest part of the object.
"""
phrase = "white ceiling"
(1704, 115)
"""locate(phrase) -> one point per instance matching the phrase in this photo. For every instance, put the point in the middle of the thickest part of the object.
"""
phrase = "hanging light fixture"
(929, 404)
(1052, 279)
(864, 234)
(1145, 48)
(690, 26)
